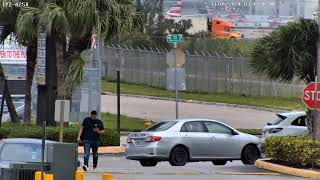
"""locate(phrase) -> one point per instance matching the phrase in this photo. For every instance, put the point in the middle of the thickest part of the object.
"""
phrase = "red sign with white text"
(310, 95)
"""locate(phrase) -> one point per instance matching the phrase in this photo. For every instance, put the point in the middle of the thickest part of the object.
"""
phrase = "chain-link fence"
(206, 72)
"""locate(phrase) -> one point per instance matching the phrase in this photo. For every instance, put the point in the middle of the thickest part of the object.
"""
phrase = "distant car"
(20, 150)
(20, 112)
(190, 140)
(287, 124)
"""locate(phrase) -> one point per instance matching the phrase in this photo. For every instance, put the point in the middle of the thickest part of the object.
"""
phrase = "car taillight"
(129, 140)
(275, 130)
(153, 138)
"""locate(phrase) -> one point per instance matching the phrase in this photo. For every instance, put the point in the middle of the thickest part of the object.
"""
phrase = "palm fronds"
(288, 52)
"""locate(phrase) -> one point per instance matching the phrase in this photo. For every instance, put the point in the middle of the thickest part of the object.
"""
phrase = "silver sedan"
(191, 140)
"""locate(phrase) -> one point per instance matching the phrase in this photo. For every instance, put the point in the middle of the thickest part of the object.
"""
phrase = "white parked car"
(191, 140)
(287, 124)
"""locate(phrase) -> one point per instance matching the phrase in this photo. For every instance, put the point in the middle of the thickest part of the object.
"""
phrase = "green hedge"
(109, 138)
(251, 131)
(295, 151)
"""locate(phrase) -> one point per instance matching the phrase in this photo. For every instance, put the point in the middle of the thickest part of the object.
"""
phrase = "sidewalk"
(111, 149)
(106, 150)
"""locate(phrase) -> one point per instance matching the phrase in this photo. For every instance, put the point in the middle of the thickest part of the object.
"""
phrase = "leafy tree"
(288, 52)
(77, 21)
(8, 16)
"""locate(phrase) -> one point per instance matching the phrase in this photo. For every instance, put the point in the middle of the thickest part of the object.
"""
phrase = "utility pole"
(316, 118)
(175, 80)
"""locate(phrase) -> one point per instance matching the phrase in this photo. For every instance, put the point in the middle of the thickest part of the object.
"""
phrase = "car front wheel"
(148, 163)
(250, 154)
(179, 156)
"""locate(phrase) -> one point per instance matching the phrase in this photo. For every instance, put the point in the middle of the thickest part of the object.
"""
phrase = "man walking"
(89, 135)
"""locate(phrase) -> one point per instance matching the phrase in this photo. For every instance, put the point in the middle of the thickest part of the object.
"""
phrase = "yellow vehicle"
(222, 29)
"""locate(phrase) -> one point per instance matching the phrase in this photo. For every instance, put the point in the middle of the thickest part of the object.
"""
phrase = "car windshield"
(279, 119)
(162, 126)
(22, 152)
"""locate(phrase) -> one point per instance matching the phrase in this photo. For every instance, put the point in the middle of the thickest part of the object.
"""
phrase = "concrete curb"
(202, 102)
(287, 170)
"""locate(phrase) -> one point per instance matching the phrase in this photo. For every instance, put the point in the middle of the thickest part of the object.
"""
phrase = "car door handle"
(213, 137)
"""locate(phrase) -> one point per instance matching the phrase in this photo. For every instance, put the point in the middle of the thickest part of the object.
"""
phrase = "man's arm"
(101, 128)
(101, 131)
(79, 134)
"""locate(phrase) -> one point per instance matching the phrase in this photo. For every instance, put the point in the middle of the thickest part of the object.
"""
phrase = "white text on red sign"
(311, 95)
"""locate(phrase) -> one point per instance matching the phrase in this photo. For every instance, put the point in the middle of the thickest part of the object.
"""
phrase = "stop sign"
(310, 95)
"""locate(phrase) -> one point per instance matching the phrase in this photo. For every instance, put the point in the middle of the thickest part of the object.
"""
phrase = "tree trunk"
(31, 63)
(7, 94)
(60, 66)
(11, 108)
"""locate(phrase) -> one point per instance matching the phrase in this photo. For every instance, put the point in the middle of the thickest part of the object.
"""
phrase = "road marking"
(249, 173)
(180, 173)
(188, 173)
(102, 172)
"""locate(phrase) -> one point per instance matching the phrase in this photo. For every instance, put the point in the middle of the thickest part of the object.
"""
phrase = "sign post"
(62, 115)
(175, 39)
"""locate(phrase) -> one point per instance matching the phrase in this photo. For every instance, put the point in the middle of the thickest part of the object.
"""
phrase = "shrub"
(296, 151)
(109, 138)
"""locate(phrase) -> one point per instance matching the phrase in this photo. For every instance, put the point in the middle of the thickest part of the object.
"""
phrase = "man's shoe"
(85, 168)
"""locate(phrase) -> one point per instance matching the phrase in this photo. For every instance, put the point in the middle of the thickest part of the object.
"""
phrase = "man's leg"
(95, 146)
(86, 146)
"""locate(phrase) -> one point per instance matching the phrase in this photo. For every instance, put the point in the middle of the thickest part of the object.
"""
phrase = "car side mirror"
(234, 133)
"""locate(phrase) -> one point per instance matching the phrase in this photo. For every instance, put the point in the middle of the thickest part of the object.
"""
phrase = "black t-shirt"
(88, 126)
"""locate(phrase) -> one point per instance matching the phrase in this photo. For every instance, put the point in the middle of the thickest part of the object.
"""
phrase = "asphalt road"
(159, 110)
(123, 169)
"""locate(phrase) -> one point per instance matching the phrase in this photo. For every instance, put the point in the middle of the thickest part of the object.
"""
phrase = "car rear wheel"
(250, 154)
(148, 163)
(219, 162)
(179, 156)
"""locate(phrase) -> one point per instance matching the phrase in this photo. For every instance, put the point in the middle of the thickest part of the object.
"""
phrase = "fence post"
(241, 76)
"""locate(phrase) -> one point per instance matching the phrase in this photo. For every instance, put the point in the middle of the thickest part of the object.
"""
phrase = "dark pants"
(94, 145)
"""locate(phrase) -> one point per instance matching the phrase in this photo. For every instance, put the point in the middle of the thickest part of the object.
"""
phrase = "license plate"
(138, 141)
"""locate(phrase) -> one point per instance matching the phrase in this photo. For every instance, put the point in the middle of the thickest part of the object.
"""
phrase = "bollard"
(79, 175)
(48, 177)
(37, 175)
(107, 177)
(147, 122)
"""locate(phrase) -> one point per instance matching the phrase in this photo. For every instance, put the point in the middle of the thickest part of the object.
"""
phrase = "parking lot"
(123, 169)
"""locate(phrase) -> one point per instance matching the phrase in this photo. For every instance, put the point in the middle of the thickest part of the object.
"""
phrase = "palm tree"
(7, 96)
(77, 20)
(9, 15)
(288, 53)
